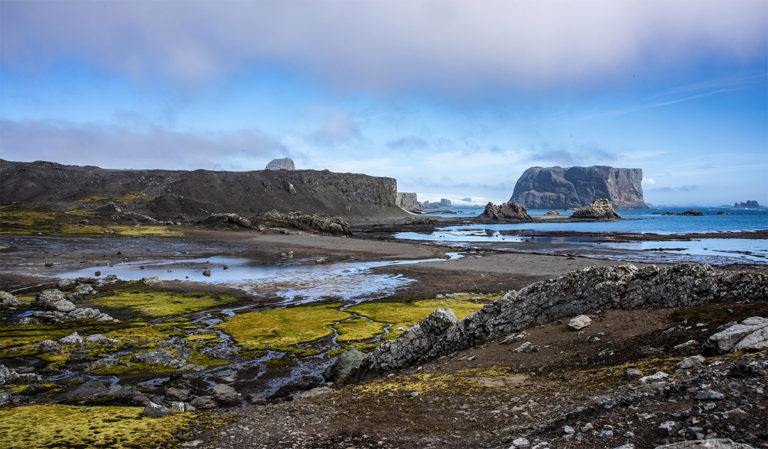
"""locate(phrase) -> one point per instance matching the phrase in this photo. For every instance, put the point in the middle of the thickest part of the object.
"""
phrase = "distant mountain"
(574, 187)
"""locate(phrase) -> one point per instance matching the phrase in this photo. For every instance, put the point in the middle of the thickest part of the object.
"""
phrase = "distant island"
(749, 204)
(575, 187)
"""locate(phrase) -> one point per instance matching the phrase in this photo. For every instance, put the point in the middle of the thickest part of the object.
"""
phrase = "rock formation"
(581, 292)
(187, 196)
(597, 210)
(505, 211)
(749, 204)
(437, 204)
(565, 188)
(408, 201)
(281, 164)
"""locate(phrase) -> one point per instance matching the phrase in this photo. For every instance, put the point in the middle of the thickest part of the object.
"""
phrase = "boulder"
(89, 390)
(343, 365)
(574, 187)
(505, 211)
(160, 357)
(88, 313)
(579, 322)
(204, 403)
(692, 362)
(176, 394)
(72, 339)
(65, 284)
(751, 334)
(153, 280)
(597, 210)
(156, 410)
(99, 339)
(48, 346)
(226, 395)
(54, 300)
(82, 291)
(281, 164)
(8, 301)
(552, 213)
(313, 392)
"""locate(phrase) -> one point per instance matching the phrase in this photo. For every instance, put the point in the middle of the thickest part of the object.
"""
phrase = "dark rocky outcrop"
(597, 210)
(408, 201)
(187, 196)
(749, 204)
(573, 187)
(581, 292)
(281, 164)
(437, 204)
(505, 211)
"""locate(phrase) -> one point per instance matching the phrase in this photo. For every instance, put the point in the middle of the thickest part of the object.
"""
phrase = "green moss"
(127, 198)
(281, 328)
(404, 314)
(358, 329)
(47, 426)
(160, 303)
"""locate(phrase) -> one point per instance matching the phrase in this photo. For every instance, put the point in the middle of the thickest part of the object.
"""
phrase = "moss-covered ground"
(127, 198)
(58, 426)
(71, 223)
(161, 303)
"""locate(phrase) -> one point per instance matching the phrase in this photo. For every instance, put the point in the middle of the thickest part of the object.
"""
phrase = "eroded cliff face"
(167, 194)
(573, 187)
(408, 201)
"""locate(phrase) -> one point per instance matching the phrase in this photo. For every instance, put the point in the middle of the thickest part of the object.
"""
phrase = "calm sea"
(636, 221)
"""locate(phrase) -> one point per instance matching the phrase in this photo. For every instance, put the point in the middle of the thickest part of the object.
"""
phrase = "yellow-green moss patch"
(127, 198)
(160, 303)
(358, 329)
(121, 230)
(280, 328)
(43, 426)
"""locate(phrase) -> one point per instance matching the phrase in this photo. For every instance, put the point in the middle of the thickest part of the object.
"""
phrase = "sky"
(452, 98)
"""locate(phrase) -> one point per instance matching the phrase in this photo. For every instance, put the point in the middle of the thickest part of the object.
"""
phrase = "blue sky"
(452, 98)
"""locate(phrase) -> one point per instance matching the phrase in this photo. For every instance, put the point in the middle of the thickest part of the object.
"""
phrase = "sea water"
(636, 221)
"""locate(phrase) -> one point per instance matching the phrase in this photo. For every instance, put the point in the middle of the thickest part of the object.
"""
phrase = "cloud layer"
(385, 44)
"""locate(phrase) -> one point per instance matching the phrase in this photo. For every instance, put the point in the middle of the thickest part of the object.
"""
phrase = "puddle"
(297, 281)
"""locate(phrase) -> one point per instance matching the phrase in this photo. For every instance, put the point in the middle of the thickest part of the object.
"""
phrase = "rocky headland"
(574, 187)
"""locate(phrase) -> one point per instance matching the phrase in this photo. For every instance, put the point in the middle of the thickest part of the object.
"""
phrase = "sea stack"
(575, 187)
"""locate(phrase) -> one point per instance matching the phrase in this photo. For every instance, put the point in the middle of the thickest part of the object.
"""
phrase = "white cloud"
(650, 181)
(385, 44)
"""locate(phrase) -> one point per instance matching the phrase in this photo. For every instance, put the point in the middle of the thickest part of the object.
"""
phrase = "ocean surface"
(636, 221)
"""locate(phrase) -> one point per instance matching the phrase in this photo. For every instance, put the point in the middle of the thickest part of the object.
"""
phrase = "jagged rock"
(121, 392)
(28, 379)
(521, 443)
(48, 346)
(712, 443)
(54, 300)
(99, 339)
(72, 339)
(227, 221)
(669, 428)
(691, 362)
(7, 375)
(581, 292)
(408, 201)
(281, 164)
(204, 403)
(709, 395)
(597, 210)
(226, 395)
(160, 357)
(751, 334)
(566, 188)
(655, 377)
(88, 313)
(505, 211)
(526, 347)
(311, 222)
(8, 301)
(156, 410)
(514, 338)
(579, 322)
(207, 272)
(82, 291)
(343, 365)
(106, 362)
(5, 399)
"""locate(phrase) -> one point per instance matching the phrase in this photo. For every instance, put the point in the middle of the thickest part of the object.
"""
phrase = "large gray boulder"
(597, 210)
(505, 211)
(7, 375)
(55, 301)
(573, 187)
(225, 395)
(751, 335)
(343, 365)
(281, 164)
(8, 301)
(578, 293)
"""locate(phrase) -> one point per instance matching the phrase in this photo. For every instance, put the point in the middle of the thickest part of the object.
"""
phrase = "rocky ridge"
(597, 210)
(573, 187)
(505, 211)
(581, 292)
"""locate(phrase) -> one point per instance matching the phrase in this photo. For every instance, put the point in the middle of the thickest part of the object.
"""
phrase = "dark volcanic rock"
(581, 292)
(565, 188)
(506, 211)
(194, 195)
(597, 210)
(281, 164)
